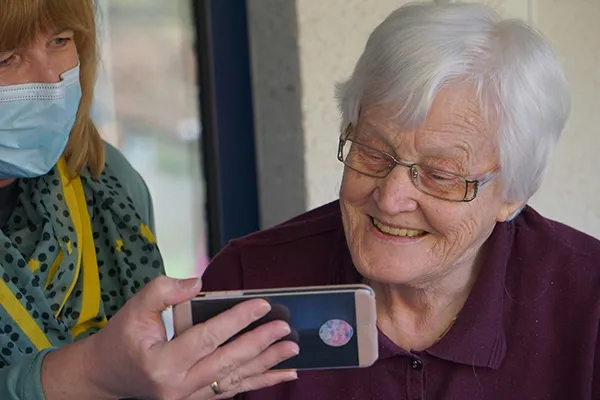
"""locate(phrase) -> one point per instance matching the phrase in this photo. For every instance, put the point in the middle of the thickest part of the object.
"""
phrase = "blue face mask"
(35, 123)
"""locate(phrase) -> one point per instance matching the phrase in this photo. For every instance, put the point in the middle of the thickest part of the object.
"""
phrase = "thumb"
(164, 292)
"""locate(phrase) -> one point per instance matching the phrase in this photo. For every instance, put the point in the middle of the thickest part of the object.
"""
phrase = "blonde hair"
(20, 22)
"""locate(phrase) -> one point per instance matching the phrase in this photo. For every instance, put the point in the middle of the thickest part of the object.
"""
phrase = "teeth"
(397, 231)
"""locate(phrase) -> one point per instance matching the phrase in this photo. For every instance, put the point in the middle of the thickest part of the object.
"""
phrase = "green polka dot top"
(72, 252)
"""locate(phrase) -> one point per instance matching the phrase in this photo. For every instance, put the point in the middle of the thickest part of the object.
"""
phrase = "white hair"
(422, 47)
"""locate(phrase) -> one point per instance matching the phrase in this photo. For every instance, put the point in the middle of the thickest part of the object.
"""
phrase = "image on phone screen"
(323, 324)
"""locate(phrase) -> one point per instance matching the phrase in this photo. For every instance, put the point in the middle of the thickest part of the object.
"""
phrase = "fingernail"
(292, 376)
(190, 283)
(285, 330)
(261, 310)
(296, 349)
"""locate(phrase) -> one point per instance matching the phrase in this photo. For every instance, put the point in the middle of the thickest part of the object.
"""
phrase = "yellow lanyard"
(87, 265)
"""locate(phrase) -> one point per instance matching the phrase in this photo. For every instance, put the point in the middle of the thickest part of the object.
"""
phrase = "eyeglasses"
(441, 184)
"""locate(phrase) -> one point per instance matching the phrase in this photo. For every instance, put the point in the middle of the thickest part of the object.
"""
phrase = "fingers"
(272, 356)
(226, 360)
(255, 382)
(261, 381)
(203, 339)
(163, 292)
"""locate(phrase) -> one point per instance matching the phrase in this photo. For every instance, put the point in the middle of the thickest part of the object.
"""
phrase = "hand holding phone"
(132, 359)
(334, 326)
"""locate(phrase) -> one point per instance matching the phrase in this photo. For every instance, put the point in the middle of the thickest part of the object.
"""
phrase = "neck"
(416, 316)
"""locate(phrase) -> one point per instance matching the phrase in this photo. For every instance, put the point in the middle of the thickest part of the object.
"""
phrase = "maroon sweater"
(529, 329)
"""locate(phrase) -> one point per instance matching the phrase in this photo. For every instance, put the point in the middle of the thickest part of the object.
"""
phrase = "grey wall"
(273, 30)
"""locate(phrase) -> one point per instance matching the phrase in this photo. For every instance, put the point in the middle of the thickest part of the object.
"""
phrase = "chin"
(391, 260)
(393, 274)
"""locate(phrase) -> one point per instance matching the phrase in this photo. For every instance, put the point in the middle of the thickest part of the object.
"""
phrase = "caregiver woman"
(81, 289)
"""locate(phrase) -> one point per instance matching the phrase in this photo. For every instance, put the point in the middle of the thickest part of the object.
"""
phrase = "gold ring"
(215, 387)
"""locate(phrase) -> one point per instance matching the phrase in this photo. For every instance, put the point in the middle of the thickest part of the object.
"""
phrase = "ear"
(508, 209)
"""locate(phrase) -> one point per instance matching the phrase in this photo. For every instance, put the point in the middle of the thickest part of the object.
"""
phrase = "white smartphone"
(334, 326)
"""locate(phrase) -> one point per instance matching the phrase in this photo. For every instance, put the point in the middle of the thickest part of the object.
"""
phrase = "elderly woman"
(81, 289)
(448, 122)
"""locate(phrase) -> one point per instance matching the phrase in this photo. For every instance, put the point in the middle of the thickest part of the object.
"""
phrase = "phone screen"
(323, 325)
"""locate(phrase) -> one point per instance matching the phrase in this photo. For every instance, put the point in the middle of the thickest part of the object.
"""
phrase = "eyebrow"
(455, 154)
(58, 31)
(456, 162)
(448, 152)
(370, 132)
(437, 153)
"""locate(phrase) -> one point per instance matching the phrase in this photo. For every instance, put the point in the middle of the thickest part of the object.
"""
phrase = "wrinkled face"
(51, 55)
(397, 234)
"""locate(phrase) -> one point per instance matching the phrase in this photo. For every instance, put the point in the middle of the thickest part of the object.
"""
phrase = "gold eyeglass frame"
(477, 182)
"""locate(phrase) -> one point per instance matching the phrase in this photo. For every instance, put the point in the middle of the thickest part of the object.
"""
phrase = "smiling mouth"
(390, 230)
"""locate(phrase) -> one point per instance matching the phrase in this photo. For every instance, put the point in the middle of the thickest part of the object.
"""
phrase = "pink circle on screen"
(336, 332)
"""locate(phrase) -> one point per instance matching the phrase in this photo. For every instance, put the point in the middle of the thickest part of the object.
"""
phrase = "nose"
(43, 68)
(396, 193)
(46, 72)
